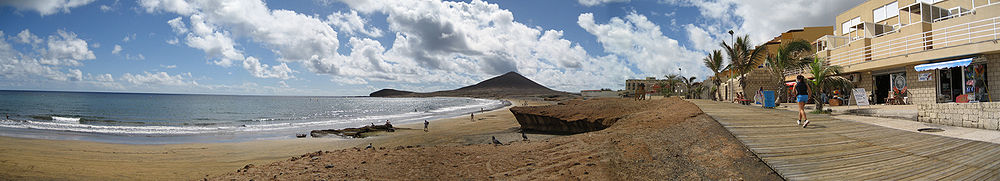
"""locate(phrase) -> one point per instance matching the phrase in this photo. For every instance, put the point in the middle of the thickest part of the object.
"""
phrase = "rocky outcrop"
(389, 93)
(536, 122)
(578, 116)
(352, 132)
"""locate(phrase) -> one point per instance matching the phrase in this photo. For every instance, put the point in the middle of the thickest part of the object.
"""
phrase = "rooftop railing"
(955, 35)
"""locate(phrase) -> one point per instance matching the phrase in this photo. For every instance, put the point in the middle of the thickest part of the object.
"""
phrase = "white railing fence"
(956, 35)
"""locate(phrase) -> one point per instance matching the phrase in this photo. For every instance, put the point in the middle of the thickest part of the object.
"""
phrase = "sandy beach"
(663, 139)
(39, 159)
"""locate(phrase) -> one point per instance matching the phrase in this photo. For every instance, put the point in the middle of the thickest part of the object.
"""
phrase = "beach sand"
(38, 159)
(662, 139)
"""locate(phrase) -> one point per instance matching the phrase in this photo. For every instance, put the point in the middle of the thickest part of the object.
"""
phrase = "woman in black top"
(802, 91)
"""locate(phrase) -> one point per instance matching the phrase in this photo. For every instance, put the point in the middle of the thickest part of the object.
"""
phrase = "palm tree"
(789, 56)
(825, 80)
(714, 62)
(672, 81)
(689, 84)
(743, 57)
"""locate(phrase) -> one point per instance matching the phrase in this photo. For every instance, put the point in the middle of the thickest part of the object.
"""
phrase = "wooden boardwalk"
(832, 149)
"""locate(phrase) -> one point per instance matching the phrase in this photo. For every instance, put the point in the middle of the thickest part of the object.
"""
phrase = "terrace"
(932, 33)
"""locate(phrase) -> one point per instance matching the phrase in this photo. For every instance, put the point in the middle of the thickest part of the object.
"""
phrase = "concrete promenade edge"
(833, 149)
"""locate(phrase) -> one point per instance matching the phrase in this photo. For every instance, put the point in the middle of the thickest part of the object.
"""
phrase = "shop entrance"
(881, 91)
(950, 84)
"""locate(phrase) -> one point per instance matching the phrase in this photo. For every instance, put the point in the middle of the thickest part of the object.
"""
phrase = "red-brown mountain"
(510, 84)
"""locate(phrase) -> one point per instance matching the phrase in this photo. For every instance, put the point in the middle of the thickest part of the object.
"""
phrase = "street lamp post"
(732, 39)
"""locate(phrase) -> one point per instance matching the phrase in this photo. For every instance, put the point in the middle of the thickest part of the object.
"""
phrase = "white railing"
(956, 35)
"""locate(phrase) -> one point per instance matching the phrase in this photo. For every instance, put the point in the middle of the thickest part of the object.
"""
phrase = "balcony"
(930, 33)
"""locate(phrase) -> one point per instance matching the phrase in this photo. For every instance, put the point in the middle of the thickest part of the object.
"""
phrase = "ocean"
(139, 118)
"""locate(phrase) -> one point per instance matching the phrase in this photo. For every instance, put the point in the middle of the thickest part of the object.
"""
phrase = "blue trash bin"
(768, 98)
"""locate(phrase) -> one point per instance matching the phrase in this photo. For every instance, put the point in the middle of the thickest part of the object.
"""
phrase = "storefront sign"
(861, 97)
(924, 77)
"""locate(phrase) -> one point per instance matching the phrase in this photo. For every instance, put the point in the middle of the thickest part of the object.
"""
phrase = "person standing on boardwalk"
(425, 125)
(802, 91)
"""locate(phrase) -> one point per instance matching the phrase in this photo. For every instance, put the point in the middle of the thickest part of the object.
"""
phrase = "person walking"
(425, 125)
(802, 91)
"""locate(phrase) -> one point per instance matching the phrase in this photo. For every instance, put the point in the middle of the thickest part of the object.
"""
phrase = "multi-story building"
(760, 78)
(650, 83)
(941, 54)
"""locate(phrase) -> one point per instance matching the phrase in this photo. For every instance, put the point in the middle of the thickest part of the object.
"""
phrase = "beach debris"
(352, 132)
(329, 166)
(300, 135)
(369, 146)
(524, 137)
(496, 142)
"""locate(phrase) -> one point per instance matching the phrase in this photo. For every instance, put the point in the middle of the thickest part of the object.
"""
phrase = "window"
(848, 26)
(929, 1)
(885, 12)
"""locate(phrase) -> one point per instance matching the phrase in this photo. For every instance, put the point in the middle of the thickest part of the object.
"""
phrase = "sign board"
(861, 97)
(924, 77)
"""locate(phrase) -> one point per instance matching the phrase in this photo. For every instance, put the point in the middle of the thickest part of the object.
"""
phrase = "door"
(881, 88)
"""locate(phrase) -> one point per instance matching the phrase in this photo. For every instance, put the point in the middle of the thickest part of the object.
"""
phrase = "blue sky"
(353, 47)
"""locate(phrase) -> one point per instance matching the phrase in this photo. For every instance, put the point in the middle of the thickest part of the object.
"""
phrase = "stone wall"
(993, 76)
(865, 81)
(984, 115)
(761, 78)
(923, 92)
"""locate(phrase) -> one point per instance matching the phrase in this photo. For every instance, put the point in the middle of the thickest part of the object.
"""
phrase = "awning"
(943, 65)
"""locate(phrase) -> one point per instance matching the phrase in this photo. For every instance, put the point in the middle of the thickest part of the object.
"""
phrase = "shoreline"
(30, 158)
(227, 132)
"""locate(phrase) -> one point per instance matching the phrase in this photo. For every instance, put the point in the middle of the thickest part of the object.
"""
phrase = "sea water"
(138, 118)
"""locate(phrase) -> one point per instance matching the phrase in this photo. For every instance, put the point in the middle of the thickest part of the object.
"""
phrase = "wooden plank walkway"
(832, 149)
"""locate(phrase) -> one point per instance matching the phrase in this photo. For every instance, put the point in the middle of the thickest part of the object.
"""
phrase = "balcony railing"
(956, 35)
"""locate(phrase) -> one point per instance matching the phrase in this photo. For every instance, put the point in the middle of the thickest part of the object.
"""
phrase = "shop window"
(963, 84)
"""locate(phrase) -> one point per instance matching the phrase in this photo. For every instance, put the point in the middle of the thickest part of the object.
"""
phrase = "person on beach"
(802, 90)
(425, 125)
(472, 116)
(523, 136)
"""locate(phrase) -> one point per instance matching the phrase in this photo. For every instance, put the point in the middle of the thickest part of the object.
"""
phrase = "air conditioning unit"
(854, 77)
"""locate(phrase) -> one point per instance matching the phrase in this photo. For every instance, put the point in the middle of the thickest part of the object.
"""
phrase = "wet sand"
(38, 159)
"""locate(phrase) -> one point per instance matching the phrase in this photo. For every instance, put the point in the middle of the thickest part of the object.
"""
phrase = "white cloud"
(464, 42)
(128, 37)
(643, 44)
(105, 8)
(135, 57)
(452, 43)
(158, 78)
(168, 66)
(116, 50)
(765, 19)
(104, 78)
(259, 70)
(45, 7)
(26, 37)
(18, 66)
(282, 84)
(173, 41)
(66, 49)
(700, 39)
(598, 2)
(351, 23)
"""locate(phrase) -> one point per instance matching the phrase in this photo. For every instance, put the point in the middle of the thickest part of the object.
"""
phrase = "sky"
(354, 47)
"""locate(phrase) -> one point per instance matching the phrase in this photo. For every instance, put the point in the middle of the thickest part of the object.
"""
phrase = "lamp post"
(732, 38)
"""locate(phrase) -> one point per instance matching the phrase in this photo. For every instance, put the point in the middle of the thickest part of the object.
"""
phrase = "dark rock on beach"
(352, 132)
